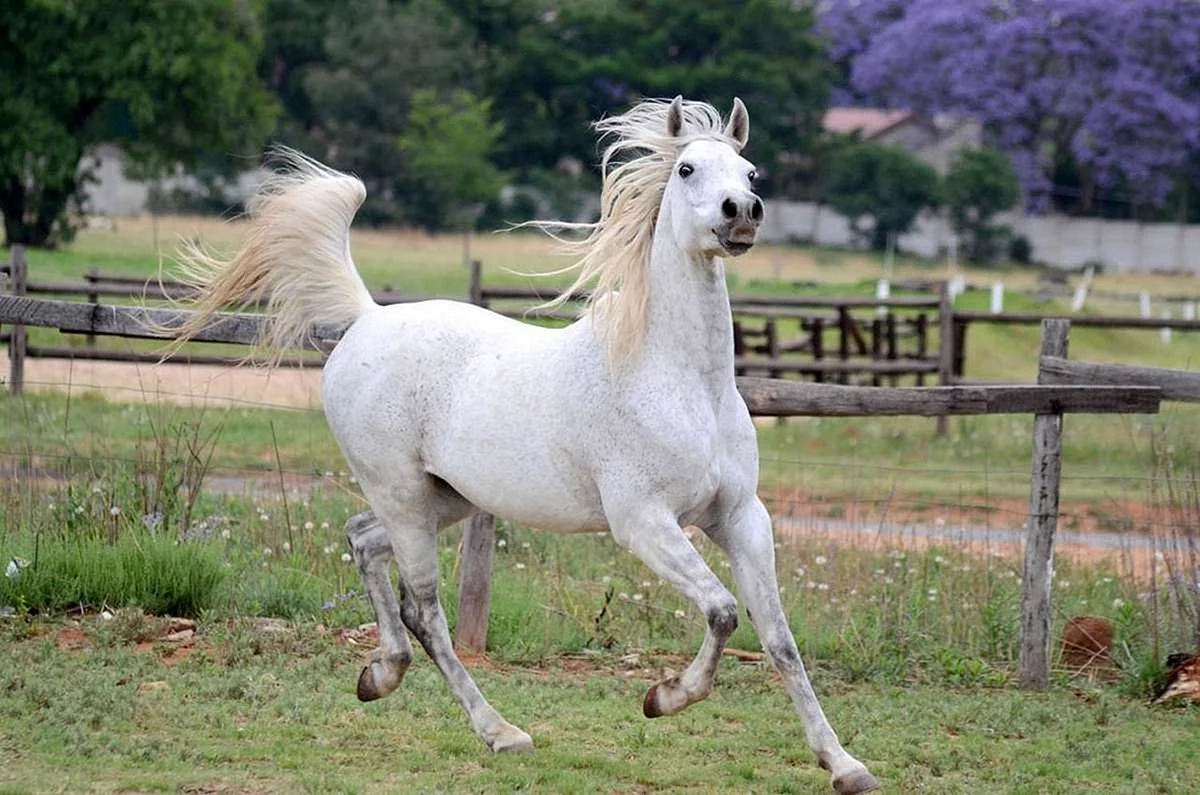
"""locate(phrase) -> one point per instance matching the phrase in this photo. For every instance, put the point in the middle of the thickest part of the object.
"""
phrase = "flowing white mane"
(614, 252)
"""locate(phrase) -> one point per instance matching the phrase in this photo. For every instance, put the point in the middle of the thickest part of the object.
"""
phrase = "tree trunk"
(31, 218)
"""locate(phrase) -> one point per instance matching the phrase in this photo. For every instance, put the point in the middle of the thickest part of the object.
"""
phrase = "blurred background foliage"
(457, 112)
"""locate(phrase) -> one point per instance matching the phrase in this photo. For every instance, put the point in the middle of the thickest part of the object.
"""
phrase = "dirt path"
(196, 385)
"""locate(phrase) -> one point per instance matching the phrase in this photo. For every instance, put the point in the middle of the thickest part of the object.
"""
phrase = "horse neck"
(688, 323)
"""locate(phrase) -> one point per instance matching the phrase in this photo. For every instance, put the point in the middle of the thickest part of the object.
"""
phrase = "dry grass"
(384, 254)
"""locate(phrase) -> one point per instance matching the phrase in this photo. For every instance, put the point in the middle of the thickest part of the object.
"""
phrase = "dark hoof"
(861, 781)
(650, 706)
(367, 690)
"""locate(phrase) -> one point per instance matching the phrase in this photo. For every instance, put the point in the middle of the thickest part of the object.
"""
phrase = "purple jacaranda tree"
(1112, 86)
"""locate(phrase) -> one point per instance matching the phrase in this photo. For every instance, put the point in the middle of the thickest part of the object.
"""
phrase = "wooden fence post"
(475, 582)
(475, 286)
(18, 275)
(946, 339)
(91, 277)
(1034, 671)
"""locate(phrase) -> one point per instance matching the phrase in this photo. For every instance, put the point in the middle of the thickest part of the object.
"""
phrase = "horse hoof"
(858, 781)
(511, 740)
(667, 698)
(382, 674)
(653, 705)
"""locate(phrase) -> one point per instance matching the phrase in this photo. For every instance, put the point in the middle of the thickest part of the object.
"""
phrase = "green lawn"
(247, 712)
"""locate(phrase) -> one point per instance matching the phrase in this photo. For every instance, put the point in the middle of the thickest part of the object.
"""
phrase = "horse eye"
(685, 170)
(752, 176)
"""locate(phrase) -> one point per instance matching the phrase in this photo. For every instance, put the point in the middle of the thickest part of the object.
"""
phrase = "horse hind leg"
(414, 541)
(372, 549)
(385, 666)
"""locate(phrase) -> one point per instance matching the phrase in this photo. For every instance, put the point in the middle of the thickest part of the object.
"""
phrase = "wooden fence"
(1063, 387)
(835, 339)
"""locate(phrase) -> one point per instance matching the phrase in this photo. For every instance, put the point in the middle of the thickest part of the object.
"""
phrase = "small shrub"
(157, 575)
(1020, 250)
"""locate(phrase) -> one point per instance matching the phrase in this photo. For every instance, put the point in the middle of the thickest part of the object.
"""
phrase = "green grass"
(154, 573)
(247, 712)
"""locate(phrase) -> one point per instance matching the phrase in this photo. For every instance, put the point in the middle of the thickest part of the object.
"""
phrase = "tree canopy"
(881, 189)
(166, 81)
(1100, 94)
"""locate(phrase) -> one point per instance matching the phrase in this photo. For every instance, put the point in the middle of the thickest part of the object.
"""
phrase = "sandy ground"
(196, 385)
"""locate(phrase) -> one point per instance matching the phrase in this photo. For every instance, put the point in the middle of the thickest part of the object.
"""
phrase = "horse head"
(713, 207)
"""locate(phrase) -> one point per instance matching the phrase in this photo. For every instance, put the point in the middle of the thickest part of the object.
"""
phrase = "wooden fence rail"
(868, 349)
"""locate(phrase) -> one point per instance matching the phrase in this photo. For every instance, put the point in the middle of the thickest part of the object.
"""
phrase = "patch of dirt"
(194, 385)
(73, 639)
(1133, 538)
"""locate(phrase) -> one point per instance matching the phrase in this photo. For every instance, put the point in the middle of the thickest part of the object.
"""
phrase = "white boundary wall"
(1128, 246)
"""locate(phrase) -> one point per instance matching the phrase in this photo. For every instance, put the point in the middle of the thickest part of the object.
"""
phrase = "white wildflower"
(308, 525)
(820, 560)
(680, 614)
(346, 557)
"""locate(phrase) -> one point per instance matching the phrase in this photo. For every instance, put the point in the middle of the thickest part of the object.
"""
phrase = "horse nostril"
(729, 208)
(756, 211)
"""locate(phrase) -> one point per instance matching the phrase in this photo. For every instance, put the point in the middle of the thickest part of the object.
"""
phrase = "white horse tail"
(296, 254)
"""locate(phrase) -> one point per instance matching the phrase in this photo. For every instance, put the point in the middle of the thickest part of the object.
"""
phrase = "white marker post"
(883, 290)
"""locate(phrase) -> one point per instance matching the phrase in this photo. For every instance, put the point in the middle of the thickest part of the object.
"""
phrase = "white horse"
(628, 420)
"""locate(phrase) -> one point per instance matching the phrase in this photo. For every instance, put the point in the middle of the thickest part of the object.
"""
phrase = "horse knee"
(369, 542)
(723, 619)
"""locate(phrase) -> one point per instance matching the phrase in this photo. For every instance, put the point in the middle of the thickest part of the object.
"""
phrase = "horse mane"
(614, 252)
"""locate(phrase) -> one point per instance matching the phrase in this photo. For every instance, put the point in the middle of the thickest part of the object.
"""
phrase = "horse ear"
(738, 127)
(675, 117)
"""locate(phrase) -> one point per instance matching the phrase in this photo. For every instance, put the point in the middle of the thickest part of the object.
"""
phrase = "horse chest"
(674, 446)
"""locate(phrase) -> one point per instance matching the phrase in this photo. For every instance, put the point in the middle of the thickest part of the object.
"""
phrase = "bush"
(1020, 250)
(156, 574)
(980, 184)
(883, 183)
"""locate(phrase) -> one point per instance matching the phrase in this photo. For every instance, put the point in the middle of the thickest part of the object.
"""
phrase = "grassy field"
(913, 650)
(85, 711)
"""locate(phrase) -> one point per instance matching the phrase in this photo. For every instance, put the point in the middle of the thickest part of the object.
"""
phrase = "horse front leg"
(657, 538)
(386, 665)
(747, 540)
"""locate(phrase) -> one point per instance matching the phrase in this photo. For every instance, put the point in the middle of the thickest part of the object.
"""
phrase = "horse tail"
(296, 254)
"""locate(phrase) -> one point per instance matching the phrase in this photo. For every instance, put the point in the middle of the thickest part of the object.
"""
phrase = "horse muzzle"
(742, 219)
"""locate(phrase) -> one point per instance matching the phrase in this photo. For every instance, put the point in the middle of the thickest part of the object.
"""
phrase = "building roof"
(869, 122)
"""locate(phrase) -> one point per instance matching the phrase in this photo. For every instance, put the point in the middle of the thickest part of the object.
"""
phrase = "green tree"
(881, 189)
(589, 58)
(980, 184)
(378, 55)
(447, 147)
(165, 80)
